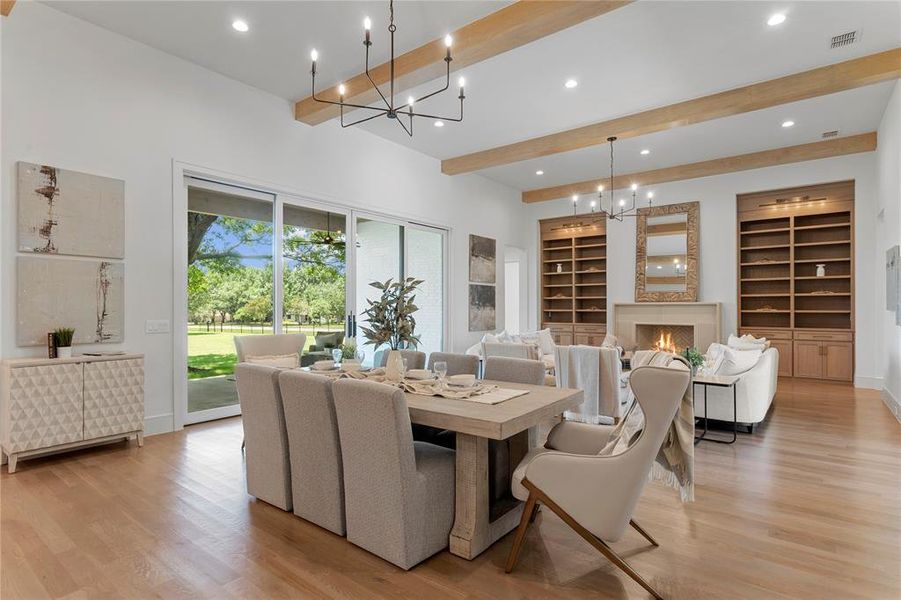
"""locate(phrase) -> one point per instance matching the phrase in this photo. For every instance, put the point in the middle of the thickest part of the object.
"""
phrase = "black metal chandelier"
(399, 113)
(622, 208)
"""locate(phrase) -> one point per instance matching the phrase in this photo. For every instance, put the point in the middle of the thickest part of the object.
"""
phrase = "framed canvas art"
(68, 212)
(482, 308)
(482, 259)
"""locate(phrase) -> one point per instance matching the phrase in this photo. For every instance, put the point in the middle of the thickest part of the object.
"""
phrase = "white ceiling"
(645, 55)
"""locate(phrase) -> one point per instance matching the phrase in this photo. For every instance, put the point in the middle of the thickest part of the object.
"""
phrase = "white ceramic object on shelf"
(64, 351)
(821, 269)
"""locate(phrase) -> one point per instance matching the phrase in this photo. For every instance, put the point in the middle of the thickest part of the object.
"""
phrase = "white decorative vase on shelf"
(559, 267)
(64, 351)
(821, 269)
(394, 366)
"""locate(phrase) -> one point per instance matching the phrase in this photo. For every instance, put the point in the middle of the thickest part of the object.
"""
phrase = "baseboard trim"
(892, 403)
(157, 424)
(869, 383)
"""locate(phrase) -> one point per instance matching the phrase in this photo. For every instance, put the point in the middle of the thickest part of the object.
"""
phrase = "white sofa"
(532, 345)
(754, 393)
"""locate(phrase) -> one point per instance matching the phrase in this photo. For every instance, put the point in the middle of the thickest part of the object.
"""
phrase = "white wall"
(80, 97)
(718, 251)
(888, 233)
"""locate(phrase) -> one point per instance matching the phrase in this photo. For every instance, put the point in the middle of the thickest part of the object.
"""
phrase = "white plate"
(420, 374)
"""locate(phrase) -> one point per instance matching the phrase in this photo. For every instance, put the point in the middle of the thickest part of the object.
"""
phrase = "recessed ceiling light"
(439, 123)
(776, 19)
(539, 172)
(788, 123)
(239, 25)
(645, 152)
(570, 84)
(659, 267)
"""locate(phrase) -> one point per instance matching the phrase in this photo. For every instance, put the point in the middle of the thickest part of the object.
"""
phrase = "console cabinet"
(51, 405)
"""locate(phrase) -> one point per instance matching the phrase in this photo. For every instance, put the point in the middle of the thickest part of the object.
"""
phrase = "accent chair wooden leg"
(644, 533)
(535, 512)
(524, 522)
(589, 537)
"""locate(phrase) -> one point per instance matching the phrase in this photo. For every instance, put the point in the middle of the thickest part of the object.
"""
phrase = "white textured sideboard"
(54, 404)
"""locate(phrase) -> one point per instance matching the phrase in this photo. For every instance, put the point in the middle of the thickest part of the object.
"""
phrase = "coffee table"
(722, 381)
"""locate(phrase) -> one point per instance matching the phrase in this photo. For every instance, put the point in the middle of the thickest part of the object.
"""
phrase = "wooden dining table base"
(473, 531)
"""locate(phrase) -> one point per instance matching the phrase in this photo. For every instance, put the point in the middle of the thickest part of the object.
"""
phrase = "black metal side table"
(722, 381)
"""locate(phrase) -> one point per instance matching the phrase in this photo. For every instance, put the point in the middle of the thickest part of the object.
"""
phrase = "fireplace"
(672, 338)
(638, 326)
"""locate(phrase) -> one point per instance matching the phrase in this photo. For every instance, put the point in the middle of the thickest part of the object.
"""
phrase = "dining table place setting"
(422, 382)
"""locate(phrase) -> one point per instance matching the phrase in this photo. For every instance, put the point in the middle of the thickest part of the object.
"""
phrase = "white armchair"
(595, 494)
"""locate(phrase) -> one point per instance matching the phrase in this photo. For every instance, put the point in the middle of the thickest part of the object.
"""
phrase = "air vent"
(845, 39)
(830, 134)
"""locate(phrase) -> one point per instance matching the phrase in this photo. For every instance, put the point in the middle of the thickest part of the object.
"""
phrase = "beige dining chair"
(415, 359)
(269, 345)
(457, 364)
(399, 494)
(596, 494)
(265, 437)
(514, 370)
(314, 448)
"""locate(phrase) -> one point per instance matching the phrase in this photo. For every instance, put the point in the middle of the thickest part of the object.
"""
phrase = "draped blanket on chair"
(674, 465)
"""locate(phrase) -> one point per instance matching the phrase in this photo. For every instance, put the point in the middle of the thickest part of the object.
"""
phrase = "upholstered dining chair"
(457, 364)
(415, 359)
(265, 436)
(314, 448)
(399, 494)
(595, 494)
(269, 345)
(514, 370)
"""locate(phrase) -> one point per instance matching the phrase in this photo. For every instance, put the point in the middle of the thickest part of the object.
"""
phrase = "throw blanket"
(674, 465)
(594, 371)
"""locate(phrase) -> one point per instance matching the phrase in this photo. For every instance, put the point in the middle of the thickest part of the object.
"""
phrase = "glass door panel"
(229, 290)
(314, 280)
(379, 257)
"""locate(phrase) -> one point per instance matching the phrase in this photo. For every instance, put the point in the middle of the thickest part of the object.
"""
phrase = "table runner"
(482, 393)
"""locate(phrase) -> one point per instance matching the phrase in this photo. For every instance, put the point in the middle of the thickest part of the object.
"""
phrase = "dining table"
(479, 522)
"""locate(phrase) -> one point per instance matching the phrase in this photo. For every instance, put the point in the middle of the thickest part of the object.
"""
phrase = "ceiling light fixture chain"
(390, 110)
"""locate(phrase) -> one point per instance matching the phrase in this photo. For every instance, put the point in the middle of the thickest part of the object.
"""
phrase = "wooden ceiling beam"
(6, 7)
(510, 27)
(830, 79)
(853, 144)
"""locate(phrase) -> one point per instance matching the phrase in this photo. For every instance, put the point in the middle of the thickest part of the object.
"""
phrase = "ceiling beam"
(853, 144)
(6, 7)
(510, 27)
(830, 79)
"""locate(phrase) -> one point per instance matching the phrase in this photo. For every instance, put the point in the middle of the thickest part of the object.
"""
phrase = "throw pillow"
(546, 342)
(736, 362)
(279, 361)
(747, 342)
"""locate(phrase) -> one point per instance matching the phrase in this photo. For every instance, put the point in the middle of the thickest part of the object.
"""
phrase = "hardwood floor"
(809, 506)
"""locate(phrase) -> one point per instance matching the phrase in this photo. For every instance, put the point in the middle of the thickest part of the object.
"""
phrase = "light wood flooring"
(809, 506)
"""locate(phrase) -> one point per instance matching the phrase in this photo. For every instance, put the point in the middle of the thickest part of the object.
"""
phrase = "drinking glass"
(336, 356)
(406, 363)
(440, 370)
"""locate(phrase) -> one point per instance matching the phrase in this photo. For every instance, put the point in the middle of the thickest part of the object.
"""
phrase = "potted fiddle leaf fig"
(63, 337)
(391, 321)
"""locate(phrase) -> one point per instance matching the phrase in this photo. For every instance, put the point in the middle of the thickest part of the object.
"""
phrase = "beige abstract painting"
(68, 212)
(87, 295)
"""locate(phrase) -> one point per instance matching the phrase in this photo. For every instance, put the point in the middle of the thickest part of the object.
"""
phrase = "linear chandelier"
(390, 110)
(622, 208)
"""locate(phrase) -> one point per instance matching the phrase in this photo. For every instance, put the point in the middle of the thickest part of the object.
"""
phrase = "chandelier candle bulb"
(448, 42)
(341, 90)
(367, 26)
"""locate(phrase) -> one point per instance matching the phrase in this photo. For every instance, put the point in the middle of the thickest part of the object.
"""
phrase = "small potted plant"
(63, 337)
(391, 321)
(694, 358)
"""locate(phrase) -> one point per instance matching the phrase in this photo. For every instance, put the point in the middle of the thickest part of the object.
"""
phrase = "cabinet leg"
(13, 458)
(140, 437)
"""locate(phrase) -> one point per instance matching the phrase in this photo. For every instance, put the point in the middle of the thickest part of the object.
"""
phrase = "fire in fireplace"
(665, 343)
(665, 337)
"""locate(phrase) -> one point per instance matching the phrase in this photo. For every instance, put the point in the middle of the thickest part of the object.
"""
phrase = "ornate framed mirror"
(666, 253)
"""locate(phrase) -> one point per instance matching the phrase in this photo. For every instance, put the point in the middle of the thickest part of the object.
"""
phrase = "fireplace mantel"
(704, 317)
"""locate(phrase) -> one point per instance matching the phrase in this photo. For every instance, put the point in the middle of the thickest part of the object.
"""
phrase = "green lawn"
(211, 354)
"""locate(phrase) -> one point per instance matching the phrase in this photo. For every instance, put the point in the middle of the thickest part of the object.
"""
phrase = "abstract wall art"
(482, 308)
(87, 295)
(482, 259)
(68, 212)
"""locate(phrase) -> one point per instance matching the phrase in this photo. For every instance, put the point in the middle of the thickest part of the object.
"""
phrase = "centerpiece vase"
(394, 366)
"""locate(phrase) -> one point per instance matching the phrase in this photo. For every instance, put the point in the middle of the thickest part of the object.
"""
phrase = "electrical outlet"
(156, 326)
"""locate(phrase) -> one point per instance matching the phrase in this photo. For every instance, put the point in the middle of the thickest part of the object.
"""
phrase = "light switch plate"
(156, 326)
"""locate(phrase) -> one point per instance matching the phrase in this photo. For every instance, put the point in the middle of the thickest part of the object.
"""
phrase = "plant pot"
(394, 366)
(64, 351)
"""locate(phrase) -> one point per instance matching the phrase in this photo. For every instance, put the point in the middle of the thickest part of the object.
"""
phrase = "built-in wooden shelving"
(783, 237)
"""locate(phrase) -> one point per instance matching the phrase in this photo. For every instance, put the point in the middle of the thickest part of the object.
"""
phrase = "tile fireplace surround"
(637, 325)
